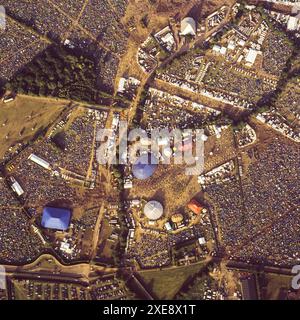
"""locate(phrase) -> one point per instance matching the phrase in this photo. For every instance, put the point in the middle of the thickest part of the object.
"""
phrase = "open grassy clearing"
(23, 118)
(166, 283)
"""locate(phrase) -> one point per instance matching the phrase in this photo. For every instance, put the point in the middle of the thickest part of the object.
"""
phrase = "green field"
(166, 283)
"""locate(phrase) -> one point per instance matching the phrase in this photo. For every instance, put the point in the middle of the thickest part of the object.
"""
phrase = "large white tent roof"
(188, 27)
(153, 210)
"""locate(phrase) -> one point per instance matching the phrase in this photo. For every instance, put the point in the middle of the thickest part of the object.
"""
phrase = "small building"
(122, 83)
(65, 247)
(128, 184)
(293, 23)
(8, 99)
(177, 218)
(188, 27)
(168, 226)
(17, 188)
(56, 218)
(69, 44)
(241, 42)
(251, 56)
(195, 206)
(216, 48)
(223, 50)
(231, 45)
(202, 241)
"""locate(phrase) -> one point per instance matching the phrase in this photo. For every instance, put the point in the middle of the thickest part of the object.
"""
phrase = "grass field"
(275, 283)
(166, 283)
(27, 115)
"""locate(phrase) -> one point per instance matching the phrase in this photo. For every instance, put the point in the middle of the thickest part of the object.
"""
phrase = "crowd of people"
(41, 15)
(289, 101)
(103, 21)
(154, 248)
(151, 251)
(79, 141)
(18, 243)
(14, 37)
(193, 233)
(41, 185)
(161, 109)
(7, 198)
(100, 34)
(183, 65)
(71, 7)
(259, 216)
(221, 76)
(276, 53)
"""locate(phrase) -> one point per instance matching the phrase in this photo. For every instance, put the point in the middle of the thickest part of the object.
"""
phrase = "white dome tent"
(153, 210)
(188, 27)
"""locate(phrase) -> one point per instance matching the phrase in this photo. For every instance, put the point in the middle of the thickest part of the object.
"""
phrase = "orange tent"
(195, 206)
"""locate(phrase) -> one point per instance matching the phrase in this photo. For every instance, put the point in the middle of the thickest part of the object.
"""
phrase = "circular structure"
(188, 27)
(177, 218)
(145, 166)
(153, 210)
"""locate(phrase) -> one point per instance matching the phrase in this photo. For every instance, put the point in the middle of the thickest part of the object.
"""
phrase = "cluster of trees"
(58, 72)
(196, 286)
(145, 21)
(183, 56)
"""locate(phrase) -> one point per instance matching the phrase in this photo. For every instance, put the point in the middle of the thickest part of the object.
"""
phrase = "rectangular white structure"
(39, 161)
(251, 56)
(293, 23)
(17, 188)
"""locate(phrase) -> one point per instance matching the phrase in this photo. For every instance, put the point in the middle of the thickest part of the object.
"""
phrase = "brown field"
(172, 187)
(27, 114)
(223, 149)
(169, 185)
(159, 14)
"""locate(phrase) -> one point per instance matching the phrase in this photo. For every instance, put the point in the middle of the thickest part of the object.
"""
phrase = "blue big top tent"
(145, 166)
(56, 218)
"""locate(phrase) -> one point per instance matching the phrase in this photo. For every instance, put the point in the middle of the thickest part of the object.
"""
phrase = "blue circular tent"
(145, 166)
